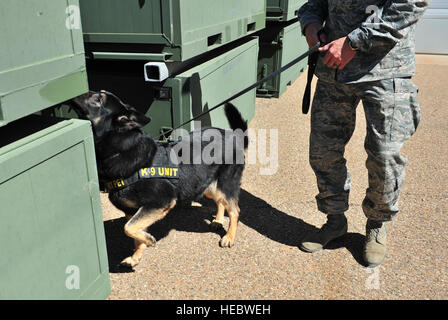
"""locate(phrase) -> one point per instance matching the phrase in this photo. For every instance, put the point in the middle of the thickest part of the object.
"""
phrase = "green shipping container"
(166, 30)
(282, 10)
(52, 239)
(280, 43)
(41, 56)
(171, 103)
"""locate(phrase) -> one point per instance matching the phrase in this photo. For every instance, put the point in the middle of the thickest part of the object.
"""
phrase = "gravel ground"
(276, 211)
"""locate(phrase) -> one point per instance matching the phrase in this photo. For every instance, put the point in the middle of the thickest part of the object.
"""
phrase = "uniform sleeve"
(388, 24)
(313, 11)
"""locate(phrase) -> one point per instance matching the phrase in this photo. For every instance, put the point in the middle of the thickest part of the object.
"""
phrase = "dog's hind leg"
(233, 210)
(224, 203)
(216, 195)
(219, 219)
(136, 229)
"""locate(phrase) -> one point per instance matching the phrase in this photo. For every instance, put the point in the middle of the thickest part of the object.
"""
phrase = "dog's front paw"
(216, 224)
(226, 242)
(129, 262)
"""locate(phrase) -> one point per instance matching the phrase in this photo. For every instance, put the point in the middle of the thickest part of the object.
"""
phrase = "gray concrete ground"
(277, 210)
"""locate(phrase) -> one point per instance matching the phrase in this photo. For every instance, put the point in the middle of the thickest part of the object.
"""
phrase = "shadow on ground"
(182, 218)
(255, 213)
(283, 228)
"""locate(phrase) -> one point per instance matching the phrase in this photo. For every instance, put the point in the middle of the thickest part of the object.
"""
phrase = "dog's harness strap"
(119, 184)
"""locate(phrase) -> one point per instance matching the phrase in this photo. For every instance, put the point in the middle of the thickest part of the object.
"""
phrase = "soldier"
(369, 57)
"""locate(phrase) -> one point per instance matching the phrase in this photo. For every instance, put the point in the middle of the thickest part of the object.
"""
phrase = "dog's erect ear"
(132, 120)
(139, 118)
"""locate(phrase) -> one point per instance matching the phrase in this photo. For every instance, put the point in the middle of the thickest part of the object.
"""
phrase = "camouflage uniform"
(380, 76)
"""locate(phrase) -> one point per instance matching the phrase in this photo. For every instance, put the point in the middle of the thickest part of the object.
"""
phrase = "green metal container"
(220, 78)
(41, 56)
(166, 30)
(170, 103)
(282, 10)
(280, 43)
(52, 239)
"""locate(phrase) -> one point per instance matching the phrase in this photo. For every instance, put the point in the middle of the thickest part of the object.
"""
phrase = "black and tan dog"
(125, 154)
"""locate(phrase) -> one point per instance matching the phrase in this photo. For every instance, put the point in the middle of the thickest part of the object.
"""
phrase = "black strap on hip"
(312, 62)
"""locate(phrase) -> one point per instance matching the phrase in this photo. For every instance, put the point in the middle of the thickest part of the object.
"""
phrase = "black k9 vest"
(161, 168)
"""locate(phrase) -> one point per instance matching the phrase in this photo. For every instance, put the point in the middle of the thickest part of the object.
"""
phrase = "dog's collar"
(143, 173)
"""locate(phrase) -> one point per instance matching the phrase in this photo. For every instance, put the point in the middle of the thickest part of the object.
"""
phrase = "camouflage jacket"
(382, 31)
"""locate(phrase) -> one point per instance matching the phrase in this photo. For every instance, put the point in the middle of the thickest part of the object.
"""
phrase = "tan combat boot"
(375, 245)
(335, 227)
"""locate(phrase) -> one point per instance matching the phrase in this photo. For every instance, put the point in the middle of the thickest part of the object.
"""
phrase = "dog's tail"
(236, 121)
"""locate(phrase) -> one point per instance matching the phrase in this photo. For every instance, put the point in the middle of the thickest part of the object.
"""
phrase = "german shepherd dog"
(122, 149)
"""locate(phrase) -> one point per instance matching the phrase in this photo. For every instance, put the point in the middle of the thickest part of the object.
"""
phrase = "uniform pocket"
(407, 114)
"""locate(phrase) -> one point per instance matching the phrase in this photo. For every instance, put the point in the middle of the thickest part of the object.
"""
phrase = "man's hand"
(311, 31)
(339, 53)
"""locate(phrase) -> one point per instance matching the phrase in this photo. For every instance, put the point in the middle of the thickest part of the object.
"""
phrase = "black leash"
(312, 62)
(306, 100)
(195, 81)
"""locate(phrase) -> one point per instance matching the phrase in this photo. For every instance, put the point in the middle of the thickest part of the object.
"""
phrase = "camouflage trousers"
(392, 116)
